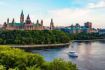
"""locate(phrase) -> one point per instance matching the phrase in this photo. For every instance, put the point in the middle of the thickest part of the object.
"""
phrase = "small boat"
(73, 54)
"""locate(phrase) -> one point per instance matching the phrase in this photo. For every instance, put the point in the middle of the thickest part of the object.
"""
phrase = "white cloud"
(100, 4)
(67, 12)
(68, 16)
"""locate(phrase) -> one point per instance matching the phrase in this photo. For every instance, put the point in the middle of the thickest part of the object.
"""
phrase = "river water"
(91, 54)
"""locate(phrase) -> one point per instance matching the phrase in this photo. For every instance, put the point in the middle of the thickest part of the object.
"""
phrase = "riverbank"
(41, 46)
(88, 40)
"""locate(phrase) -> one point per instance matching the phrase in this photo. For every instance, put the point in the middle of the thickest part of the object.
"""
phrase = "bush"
(2, 67)
(59, 64)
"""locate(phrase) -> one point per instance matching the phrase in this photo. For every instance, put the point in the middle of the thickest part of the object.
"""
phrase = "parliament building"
(26, 24)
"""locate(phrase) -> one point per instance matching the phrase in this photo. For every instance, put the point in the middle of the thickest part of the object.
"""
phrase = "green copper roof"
(22, 24)
(37, 24)
(84, 28)
(16, 24)
(77, 28)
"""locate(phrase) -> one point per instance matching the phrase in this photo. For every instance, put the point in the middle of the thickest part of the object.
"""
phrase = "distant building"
(73, 29)
(25, 24)
(101, 31)
(88, 25)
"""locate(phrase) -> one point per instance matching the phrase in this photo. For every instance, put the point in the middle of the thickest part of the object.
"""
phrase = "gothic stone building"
(25, 24)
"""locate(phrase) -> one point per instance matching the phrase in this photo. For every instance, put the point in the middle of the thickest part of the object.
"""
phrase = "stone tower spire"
(28, 17)
(37, 21)
(28, 20)
(41, 22)
(51, 25)
(7, 20)
(22, 17)
(13, 21)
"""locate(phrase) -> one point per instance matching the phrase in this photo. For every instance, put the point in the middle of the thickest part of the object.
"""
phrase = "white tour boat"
(73, 54)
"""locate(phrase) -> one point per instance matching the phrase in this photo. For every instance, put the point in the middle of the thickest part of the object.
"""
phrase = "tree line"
(33, 37)
(86, 36)
(43, 37)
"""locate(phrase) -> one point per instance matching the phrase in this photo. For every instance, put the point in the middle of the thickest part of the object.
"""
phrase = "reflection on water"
(91, 54)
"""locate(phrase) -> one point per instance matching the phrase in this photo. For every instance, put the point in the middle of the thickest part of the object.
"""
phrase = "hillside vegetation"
(33, 37)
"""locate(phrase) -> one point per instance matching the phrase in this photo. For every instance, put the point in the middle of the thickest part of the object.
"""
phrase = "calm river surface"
(91, 54)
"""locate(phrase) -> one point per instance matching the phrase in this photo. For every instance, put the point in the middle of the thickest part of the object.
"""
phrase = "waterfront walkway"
(41, 46)
(52, 45)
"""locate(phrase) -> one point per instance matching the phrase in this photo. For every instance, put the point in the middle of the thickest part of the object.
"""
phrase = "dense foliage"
(33, 37)
(43, 37)
(16, 59)
(86, 36)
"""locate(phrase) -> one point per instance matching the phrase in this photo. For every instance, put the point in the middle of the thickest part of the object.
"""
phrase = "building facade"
(101, 31)
(25, 24)
(73, 29)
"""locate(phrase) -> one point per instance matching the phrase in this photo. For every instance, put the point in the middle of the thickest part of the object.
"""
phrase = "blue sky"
(64, 12)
